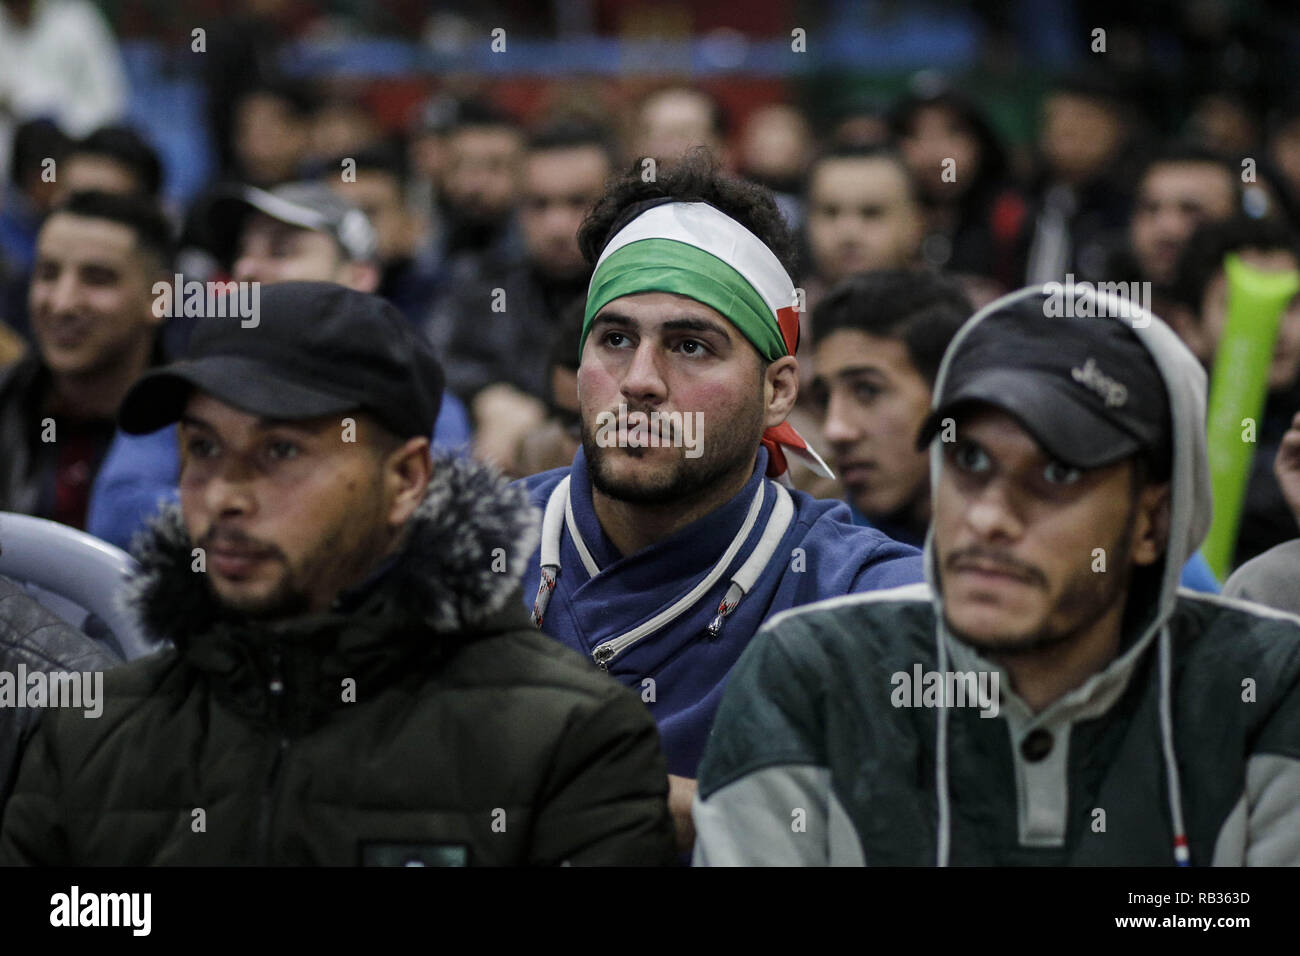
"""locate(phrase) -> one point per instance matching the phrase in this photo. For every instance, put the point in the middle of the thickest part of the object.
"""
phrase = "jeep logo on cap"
(1111, 391)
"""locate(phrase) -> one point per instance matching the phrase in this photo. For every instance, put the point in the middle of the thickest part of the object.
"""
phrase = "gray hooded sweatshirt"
(830, 747)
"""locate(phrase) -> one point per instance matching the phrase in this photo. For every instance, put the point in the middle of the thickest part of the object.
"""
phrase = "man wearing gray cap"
(1049, 696)
(353, 678)
(298, 231)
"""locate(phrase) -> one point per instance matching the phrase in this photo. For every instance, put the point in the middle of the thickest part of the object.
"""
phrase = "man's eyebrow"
(854, 371)
(694, 324)
(614, 318)
(687, 323)
(263, 424)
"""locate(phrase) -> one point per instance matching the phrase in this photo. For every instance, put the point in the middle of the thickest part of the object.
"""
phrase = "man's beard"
(730, 448)
(333, 558)
(1088, 596)
(288, 599)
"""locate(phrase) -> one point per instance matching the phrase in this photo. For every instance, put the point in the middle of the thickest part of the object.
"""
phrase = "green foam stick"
(1238, 390)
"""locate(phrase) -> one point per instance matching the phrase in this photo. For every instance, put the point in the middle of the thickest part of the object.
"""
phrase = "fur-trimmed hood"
(468, 545)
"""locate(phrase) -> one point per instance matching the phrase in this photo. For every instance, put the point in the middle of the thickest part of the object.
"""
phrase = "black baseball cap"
(1086, 388)
(316, 349)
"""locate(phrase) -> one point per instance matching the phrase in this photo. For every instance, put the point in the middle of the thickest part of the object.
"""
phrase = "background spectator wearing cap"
(297, 231)
(495, 332)
(98, 257)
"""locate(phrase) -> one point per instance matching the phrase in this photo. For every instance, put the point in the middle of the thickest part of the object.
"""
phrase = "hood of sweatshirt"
(1147, 615)
(1185, 383)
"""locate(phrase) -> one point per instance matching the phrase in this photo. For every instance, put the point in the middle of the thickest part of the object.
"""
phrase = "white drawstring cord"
(557, 506)
(1182, 852)
(941, 759)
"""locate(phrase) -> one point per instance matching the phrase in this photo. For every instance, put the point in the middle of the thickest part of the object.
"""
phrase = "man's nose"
(62, 294)
(839, 428)
(248, 268)
(229, 490)
(992, 514)
(643, 380)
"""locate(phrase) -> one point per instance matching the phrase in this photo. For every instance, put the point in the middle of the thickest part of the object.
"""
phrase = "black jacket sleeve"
(605, 800)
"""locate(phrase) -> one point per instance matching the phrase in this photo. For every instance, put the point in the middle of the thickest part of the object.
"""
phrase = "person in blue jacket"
(673, 535)
(880, 338)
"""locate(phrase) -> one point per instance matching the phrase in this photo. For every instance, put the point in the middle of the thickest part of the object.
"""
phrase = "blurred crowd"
(466, 219)
(430, 270)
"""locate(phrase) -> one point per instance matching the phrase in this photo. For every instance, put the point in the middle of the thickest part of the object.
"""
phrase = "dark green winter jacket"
(423, 720)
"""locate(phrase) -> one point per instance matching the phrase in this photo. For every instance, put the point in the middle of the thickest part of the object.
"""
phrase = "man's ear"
(407, 472)
(780, 389)
(1151, 524)
(361, 276)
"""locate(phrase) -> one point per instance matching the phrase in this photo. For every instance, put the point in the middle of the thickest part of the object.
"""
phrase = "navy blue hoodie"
(679, 670)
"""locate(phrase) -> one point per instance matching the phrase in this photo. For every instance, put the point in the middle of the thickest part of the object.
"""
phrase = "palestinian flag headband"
(694, 249)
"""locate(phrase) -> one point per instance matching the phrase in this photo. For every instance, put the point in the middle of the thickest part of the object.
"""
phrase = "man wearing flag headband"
(675, 533)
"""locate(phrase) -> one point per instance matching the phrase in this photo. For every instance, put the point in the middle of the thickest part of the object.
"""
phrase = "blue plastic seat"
(76, 576)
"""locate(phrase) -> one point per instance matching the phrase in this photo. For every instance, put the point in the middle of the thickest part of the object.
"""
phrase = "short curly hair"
(695, 178)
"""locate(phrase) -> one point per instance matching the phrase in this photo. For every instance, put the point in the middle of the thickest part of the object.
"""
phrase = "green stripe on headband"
(669, 265)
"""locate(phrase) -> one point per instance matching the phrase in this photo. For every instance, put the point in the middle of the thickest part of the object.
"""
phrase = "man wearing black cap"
(294, 232)
(1049, 696)
(353, 679)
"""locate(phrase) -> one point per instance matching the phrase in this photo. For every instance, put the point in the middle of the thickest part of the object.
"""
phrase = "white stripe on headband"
(707, 228)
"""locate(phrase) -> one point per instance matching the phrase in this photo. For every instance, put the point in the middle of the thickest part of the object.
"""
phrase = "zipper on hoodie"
(741, 582)
(276, 688)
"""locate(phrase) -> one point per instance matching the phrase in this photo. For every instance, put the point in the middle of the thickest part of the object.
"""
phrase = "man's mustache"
(669, 427)
(218, 538)
(996, 560)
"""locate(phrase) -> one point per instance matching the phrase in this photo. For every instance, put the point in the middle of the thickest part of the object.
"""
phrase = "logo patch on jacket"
(414, 854)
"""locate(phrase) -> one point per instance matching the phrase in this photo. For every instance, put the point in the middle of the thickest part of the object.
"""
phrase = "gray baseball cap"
(308, 205)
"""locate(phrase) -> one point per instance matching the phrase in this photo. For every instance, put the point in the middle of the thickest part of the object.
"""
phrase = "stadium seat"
(76, 576)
